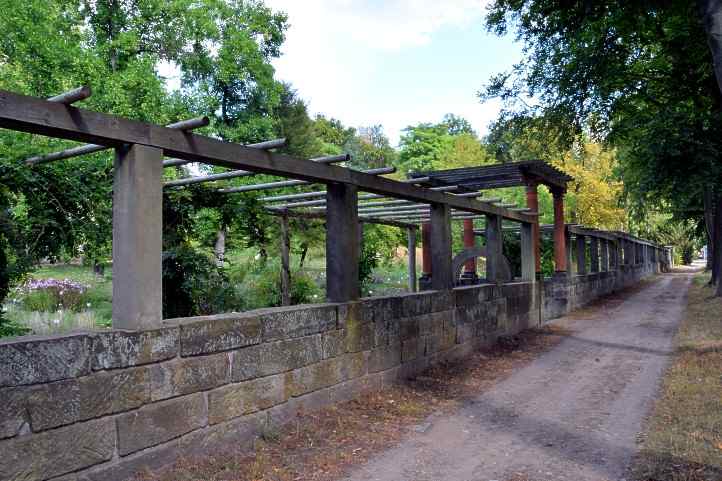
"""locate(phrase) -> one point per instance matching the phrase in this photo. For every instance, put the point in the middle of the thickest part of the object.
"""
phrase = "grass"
(325, 445)
(683, 441)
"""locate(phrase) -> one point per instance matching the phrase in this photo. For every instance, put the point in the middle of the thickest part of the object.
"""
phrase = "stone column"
(569, 254)
(469, 274)
(342, 246)
(532, 202)
(594, 254)
(137, 238)
(494, 248)
(560, 250)
(285, 262)
(528, 266)
(605, 255)
(426, 274)
(411, 235)
(442, 278)
(581, 254)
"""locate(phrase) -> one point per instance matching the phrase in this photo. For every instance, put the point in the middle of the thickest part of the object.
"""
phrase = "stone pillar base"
(425, 283)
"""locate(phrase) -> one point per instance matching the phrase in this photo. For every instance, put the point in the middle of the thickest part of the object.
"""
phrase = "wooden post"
(342, 254)
(581, 254)
(528, 253)
(411, 234)
(442, 277)
(426, 274)
(532, 202)
(137, 238)
(594, 253)
(285, 262)
(605, 255)
(494, 248)
(560, 250)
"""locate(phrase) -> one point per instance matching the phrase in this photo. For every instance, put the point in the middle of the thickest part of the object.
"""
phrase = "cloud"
(378, 24)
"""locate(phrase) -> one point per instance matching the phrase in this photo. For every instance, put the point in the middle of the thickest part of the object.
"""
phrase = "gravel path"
(572, 414)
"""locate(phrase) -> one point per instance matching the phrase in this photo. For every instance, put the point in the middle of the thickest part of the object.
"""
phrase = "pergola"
(526, 173)
(350, 197)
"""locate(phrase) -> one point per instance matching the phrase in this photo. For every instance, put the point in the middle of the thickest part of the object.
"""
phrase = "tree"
(635, 74)
(448, 144)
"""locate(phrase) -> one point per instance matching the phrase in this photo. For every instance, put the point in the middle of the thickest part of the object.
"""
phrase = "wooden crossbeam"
(39, 116)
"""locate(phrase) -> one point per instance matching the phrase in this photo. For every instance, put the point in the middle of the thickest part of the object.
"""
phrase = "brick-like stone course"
(159, 422)
(189, 375)
(57, 452)
(44, 360)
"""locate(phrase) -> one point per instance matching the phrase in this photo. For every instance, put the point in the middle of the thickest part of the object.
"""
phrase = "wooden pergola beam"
(242, 173)
(265, 145)
(72, 96)
(38, 116)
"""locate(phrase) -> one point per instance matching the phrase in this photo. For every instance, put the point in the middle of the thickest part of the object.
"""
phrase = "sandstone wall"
(102, 405)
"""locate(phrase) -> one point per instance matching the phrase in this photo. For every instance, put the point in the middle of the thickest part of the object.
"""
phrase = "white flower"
(56, 321)
(87, 305)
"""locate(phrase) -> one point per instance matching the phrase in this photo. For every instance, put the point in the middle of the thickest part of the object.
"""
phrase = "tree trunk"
(220, 248)
(711, 13)
(718, 241)
(709, 223)
(304, 251)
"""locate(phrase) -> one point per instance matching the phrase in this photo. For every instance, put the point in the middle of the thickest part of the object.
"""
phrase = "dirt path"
(573, 414)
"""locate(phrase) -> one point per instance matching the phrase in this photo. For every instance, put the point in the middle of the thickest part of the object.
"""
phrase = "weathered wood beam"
(342, 246)
(290, 183)
(266, 145)
(494, 248)
(72, 96)
(442, 275)
(411, 237)
(319, 216)
(184, 125)
(241, 173)
(285, 262)
(38, 116)
(528, 260)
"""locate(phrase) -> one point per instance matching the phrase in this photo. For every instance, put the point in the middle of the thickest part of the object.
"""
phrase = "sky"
(392, 62)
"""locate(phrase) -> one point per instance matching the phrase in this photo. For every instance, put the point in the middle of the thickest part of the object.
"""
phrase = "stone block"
(360, 335)
(33, 361)
(312, 401)
(189, 375)
(159, 422)
(113, 392)
(13, 412)
(282, 323)
(276, 357)
(408, 327)
(65, 402)
(223, 332)
(442, 301)
(410, 349)
(60, 451)
(54, 404)
(235, 400)
(326, 373)
(417, 304)
(384, 358)
(333, 343)
(116, 349)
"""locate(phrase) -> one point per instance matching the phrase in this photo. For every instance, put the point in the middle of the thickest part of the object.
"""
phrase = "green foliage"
(635, 74)
(448, 144)
(259, 285)
(193, 284)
